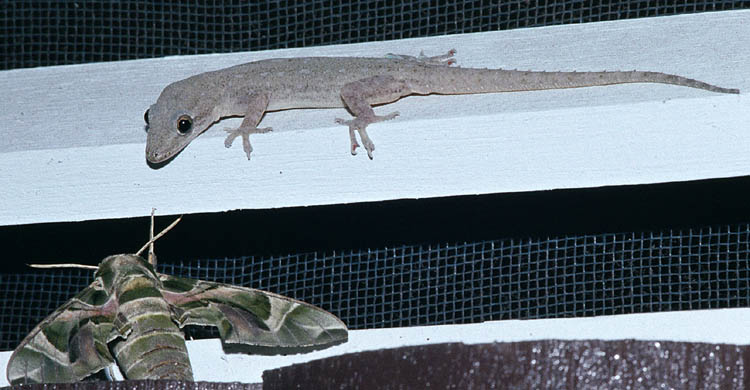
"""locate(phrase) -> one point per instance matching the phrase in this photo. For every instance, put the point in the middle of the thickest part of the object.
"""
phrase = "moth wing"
(70, 344)
(251, 320)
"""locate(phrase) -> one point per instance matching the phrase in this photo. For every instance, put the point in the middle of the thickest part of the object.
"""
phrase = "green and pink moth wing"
(70, 344)
(252, 320)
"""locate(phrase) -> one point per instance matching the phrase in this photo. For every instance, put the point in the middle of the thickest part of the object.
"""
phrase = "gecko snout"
(155, 158)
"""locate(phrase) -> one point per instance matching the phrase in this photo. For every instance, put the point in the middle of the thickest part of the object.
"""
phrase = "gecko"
(188, 107)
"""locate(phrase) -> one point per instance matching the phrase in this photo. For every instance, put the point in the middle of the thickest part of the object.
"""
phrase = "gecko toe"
(366, 142)
(359, 124)
(246, 145)
(353, 141)
(233, 133)
(243, 132)
(390, 116)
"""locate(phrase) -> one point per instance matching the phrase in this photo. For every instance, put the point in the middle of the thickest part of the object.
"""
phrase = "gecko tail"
(555, 80)
(665, 78)
(466, 80)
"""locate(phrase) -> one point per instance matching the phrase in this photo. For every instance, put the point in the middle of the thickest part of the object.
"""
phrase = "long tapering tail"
(466, 80)
(577, 79)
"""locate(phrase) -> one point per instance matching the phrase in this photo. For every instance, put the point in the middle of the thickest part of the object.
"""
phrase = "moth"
(133, 316)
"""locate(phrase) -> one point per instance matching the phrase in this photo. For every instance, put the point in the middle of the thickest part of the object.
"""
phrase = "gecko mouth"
(156, 154)
(157, 159)
(157, 164)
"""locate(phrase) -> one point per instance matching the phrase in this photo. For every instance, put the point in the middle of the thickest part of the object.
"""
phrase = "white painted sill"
(72, 145)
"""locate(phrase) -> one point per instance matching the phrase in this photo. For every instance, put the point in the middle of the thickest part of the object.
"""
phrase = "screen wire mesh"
(43, 33)
(452, 283)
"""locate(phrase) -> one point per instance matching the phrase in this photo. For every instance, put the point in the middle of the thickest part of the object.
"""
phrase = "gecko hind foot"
(360, 125)
(443, 59)
(244, 132)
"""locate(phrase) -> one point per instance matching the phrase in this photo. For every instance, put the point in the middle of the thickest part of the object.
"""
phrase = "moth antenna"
(163, 232)
(149, 244)
(66, 265)
(151, 253)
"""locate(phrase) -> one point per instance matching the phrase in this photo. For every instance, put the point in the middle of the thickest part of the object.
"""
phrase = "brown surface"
(547, 364)
(138, 385)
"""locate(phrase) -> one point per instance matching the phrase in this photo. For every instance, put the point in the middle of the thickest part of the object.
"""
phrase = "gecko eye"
(145, 116)
(184, 124)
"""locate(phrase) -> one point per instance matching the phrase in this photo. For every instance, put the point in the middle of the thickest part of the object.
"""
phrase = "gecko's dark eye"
(145, 116)
(184, 124)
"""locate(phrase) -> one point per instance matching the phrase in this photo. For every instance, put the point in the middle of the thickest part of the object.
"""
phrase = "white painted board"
(72, 138)
(725, 326)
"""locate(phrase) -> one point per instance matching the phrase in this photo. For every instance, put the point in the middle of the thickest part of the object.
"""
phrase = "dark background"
(356, 227)
(42, 33)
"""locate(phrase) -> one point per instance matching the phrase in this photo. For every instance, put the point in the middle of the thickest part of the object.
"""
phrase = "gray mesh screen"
(42, 33)
(451, 283)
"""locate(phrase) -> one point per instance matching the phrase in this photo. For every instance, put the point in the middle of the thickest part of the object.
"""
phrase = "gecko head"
(177, 117)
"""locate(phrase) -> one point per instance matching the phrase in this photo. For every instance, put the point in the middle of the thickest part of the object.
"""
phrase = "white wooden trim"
(72, 145)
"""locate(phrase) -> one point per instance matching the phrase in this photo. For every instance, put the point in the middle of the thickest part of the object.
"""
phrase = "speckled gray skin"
(188, 107)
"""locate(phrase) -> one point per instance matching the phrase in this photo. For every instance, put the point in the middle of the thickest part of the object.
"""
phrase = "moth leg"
(360, 95)
(257, 105)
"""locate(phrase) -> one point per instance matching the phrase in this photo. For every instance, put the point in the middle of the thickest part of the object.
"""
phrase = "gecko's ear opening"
(145, 116)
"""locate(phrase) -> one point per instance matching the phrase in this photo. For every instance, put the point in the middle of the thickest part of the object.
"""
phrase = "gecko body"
(188, 107)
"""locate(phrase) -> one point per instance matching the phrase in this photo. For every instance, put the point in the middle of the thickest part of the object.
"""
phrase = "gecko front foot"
(244, 132)
(360, 124)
